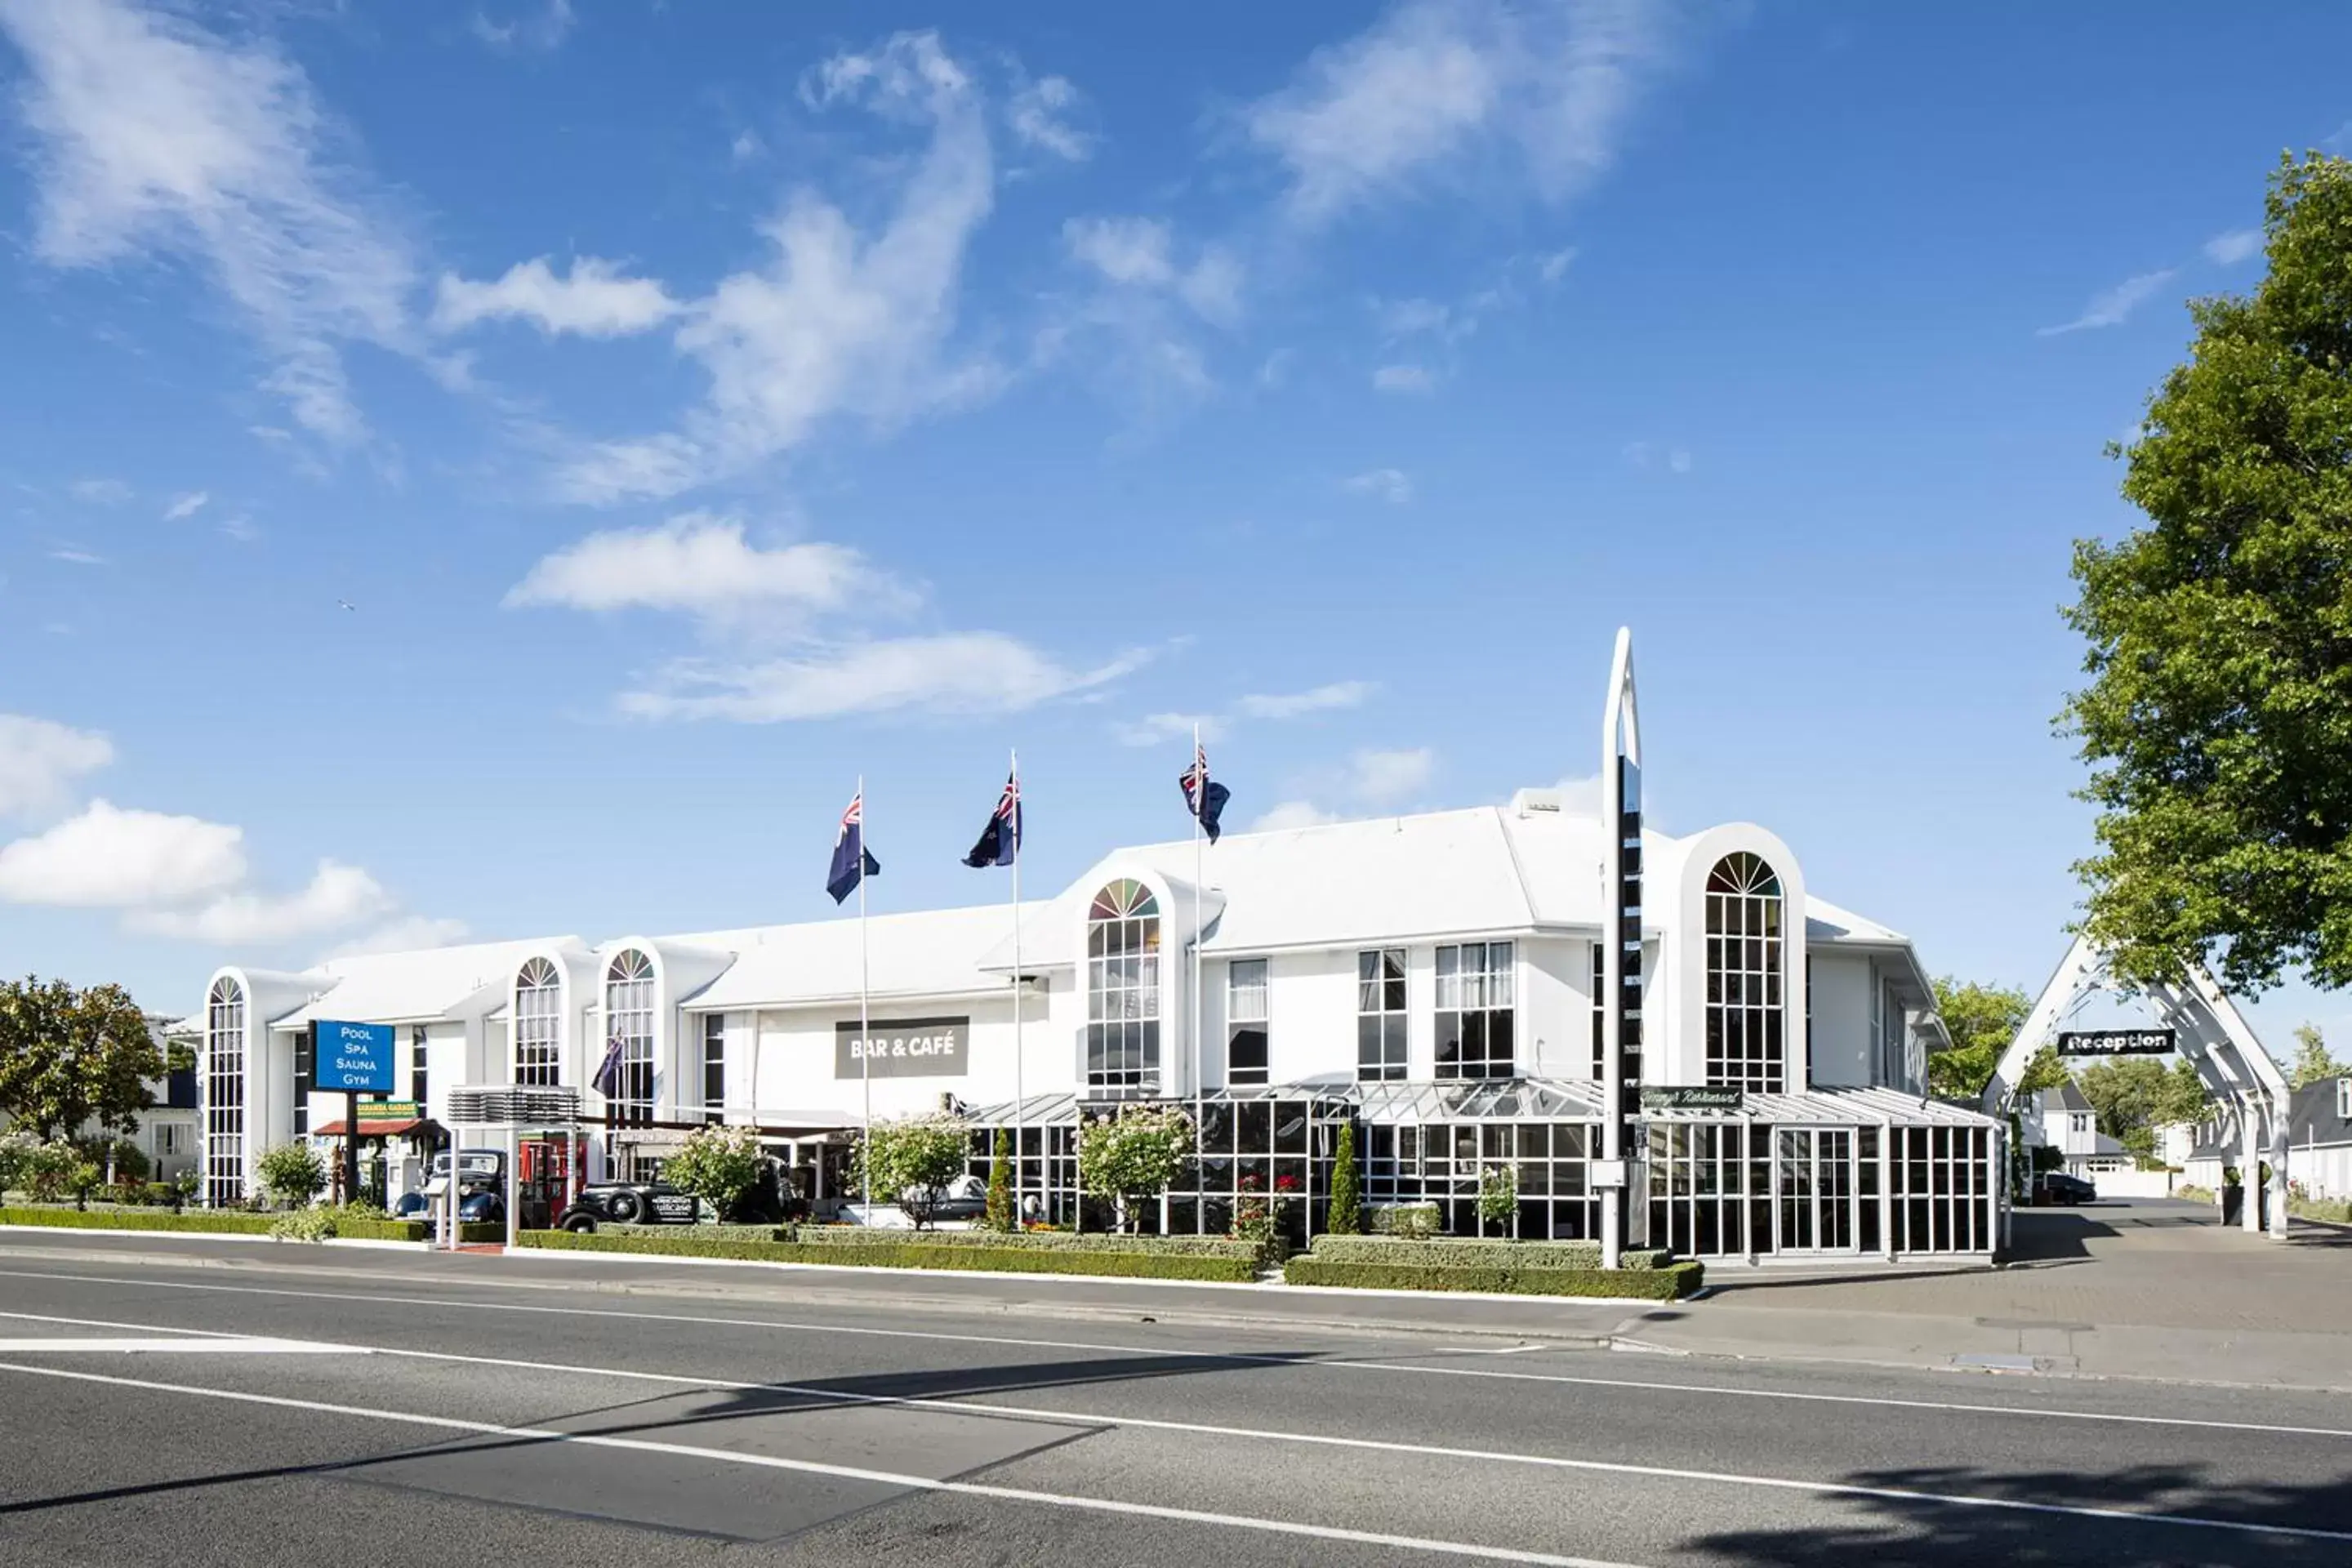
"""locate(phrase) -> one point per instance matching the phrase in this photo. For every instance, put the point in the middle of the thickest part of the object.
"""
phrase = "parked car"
(628, 1202)
(2058, 1187)
(481, 1190)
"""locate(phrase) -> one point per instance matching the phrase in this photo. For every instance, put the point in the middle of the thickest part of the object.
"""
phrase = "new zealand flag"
(851, 863)
(1000, 841)
(1203, 796)
(607, 1081)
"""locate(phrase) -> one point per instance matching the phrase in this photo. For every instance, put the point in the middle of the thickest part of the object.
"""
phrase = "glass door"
(1817, 1189)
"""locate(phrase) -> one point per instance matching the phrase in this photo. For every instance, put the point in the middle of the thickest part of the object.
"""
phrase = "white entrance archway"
(2210, 1033)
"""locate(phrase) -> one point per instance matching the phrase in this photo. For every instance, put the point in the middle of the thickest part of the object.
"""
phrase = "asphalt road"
(383, 1409)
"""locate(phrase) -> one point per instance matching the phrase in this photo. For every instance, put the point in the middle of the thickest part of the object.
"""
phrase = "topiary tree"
(914, 1161)
(83, 1180)
(1499, 1198)
(293, 1173)
(720, 1165)
(1000, 1215)
(1347, 1216)
(1130, 1158)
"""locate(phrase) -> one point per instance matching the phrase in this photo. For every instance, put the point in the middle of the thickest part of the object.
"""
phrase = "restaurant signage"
(1691, 1097)
(903, 1048)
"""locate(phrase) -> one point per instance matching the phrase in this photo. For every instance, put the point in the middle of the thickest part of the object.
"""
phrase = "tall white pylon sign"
(1621, 936)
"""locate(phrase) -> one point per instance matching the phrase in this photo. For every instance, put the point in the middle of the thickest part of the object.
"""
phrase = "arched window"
(1745, 1039)
(629, 1021)
(224, 1094)
(537, 1024)
(1123, 990)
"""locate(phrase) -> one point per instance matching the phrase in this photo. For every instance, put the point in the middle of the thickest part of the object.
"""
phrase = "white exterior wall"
(1845, 990)
(2325, 1171)
(1555, 1030)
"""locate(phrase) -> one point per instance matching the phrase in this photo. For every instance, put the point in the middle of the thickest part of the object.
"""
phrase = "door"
(1817, 1189)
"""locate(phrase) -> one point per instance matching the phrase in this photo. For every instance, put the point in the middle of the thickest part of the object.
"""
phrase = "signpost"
(357, 1059)
(2117, 1042)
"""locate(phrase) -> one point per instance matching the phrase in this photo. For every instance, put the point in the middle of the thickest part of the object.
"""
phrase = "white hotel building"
(1429, 978)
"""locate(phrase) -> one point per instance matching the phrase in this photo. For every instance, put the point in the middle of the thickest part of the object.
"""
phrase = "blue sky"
(697, 406)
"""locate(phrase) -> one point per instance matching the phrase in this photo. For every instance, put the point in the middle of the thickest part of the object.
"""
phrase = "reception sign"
(903, 1048)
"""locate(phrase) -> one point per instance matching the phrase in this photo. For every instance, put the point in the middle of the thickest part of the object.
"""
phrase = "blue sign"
(355, 1057)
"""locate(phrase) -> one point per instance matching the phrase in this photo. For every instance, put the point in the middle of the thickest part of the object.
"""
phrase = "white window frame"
(1246, 1003)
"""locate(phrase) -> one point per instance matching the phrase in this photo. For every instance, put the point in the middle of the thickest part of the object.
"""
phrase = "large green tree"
(2132, 1094)
(71, 1056)
(2312, 1059)
(1982, 1020)
(2218, 719)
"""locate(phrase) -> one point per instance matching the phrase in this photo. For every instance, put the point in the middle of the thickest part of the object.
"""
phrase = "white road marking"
(228, 1345)
(1243, 1357)
(1315, 1439)
(849, 1472)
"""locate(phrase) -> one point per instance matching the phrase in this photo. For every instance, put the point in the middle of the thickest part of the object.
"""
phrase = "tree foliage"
(70, 1057)
(2313, 1061)
(293, 1173)
(2218, 719)
(1346, 1216)
(1982, 1020)
(2134, 1093)
(914, 1161)
(999, 1215)
(720, 1165)
(1134, 1155)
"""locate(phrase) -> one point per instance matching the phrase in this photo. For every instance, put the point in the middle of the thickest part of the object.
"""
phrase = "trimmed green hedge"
(1663, 1284)
(1026, 1240)
(214, 1222)
(1464, 1252)
(902, 1250)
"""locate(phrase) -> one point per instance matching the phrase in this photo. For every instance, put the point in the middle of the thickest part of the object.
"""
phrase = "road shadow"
(2061, 1517)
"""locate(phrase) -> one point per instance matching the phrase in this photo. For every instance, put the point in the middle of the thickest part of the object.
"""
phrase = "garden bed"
(1036, 1252)
(1503, 1268)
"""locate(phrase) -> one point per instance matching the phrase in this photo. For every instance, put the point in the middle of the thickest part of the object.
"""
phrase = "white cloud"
(185, 506)
(156, 137)
(108, 858)
(2228, 249)
(1317, 699)
(1383, 778)
(1138, 253)
(1436, 86)
(39, 760)
(1390, 485)
(591, 299)
(843, 322)
(1648, 455)
(543, 29)
(1038, 113)
(1580, 794)
(2113, 307)
(702, 565)
(1159, 729)
(1292, 814)
(1551, 269)
(407, 934)
(73, 557)
(966, 672)
(1408, 379)
(338, 896)
(746, 147)
(98, 492)
(241, 529)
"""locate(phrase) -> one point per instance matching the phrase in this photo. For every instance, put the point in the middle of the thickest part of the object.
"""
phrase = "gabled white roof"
(423, 986)
(934, 953)
(1825, 922)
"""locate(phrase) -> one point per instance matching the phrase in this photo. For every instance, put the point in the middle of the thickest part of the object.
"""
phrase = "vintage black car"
(627, 1203)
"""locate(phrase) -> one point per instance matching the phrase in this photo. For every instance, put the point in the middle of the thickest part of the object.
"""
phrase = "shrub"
(293, 1173)
(1406, 1219)
(1498, 1197)
(1000, 1216)
(913, 1162)
(1347, 1214)
(203, 1222)
(1132, 1156)
(1664, 1284)
(925, 1251)
(844, 1237)
(302, 1225)
(1467, 1252)
(717, 1165)
(83, 1180)
(162, 1194)
(48, 1170)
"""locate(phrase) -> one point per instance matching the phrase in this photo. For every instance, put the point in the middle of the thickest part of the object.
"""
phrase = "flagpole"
(865, 1023)
(1019, 1101)
(1200, 804)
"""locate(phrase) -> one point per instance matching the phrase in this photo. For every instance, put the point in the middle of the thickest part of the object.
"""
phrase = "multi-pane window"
(629, 1019)
(224, 1094)
(1379, 1015)
(1475, 1010)
(171, 1138)
(1744, 1045)
(1122, 1040)
(419, 1078)
(714, 1066)
(537, 1024)
(306, 1073)
(1245, 1052)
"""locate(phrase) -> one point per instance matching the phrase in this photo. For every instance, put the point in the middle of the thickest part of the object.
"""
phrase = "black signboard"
(2117, 1042)
(1693, 1097)
(903, 1048)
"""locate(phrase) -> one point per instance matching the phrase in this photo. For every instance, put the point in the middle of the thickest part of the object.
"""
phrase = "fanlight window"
(1744, 1034)
(1122, 1040)
(537, 1024)
(224, 1094)
(629, 1021)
